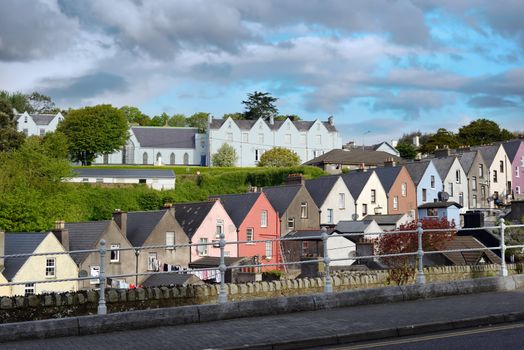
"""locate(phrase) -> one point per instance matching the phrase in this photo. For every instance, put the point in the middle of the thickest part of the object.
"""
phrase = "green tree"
(260, 105)
(443, 138)
(198, 120)
(406, 150)
(226, 156)
(481, 132)
(41, 103)
(292, 117)
(93, 131)
(235, 116)
(279, 157)
(10, 138)
(135, 116)
(55, 145)
(178, 120)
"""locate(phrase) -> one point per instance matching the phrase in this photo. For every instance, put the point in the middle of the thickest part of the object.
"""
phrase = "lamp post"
(137, 253)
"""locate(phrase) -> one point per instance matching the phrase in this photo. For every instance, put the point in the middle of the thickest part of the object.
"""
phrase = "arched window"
(186, 158)
(144, 158)
(158, 158)
(172, 158)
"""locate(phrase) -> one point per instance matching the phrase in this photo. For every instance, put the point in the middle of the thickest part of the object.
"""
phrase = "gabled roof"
(191, 215)
(238, 205)
(301, 125)
(466, 159)
(281, 196)
(306, 235)
(355, 181)
(165, 137)
(468, 257)
(417, 170)
(84, 235)
(358, 226)
(488, 153)
(353, 156)
(512, 147)
(443, 165)
(320, 188)
(387, 176)
(140, 224)
(124, 173)
(385, 219)
(43, 119)
(19, 243)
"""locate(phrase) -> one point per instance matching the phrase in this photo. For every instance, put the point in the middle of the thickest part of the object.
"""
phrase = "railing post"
(328, 286)
(102, 308)
(503, 268)
(222, 295)
(421, 278)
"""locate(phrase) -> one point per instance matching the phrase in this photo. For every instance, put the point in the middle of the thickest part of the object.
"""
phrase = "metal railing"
(223, 268)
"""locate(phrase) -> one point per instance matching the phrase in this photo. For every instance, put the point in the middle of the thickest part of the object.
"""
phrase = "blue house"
(439, 210)
(427, 180)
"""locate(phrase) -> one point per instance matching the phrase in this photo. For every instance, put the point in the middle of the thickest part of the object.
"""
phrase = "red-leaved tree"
(402, 268)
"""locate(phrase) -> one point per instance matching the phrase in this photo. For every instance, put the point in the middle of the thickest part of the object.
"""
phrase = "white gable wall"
(332, 201)
(454, 188)
(366, 194)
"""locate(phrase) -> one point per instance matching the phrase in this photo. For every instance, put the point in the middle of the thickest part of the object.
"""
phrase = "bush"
(279, 157)
(226, 156)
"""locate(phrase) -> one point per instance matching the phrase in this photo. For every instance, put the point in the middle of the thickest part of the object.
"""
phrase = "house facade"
(400, 189)
(498, 169)
(427, 180)
(515, 151)
(454, 180)
(37, 124)
(440, 210)
(343, 249)
(369, 196)
(474, 166)
(333, 198)
(251, 138)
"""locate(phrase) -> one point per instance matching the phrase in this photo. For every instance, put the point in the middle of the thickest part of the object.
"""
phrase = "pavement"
(310, 329)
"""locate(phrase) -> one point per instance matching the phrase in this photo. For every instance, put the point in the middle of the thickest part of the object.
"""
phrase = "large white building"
(38, 124)
(251, 138)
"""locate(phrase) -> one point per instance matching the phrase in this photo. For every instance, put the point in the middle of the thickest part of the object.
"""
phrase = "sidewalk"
(308, 329)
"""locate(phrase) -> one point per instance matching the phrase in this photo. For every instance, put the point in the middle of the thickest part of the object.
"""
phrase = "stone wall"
(37, 307)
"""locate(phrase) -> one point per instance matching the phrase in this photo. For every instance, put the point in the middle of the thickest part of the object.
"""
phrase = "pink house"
(256, 220)
(515, 151)
(203, 222)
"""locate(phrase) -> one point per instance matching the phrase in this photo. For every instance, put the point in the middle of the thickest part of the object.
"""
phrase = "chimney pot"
(62, 234)
(120, 218)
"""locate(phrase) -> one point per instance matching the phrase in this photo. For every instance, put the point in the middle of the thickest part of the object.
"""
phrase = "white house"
(333, 198)
(160, 179)
(38, 124)
(342, 248)
(153, 145)
(251, 138)
(367, 191)
(454, 180)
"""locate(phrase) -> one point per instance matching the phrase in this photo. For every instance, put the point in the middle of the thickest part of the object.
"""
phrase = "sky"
(382, 68)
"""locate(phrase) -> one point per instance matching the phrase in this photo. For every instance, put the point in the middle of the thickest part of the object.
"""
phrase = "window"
(517, 189)
(329, 216)
(263, 218)
(457, 176)
(522, 161)
(261, 138)
(170, 240)
(202, 248)
(517, 172)
(159, 158)
(186, 158)
(269, 249)
(373, 196)
(364, 209)
(152, 262)
(291, 223)
(50, 267)
(303, 210)
(303, 139)
(481, 170)
(245, 137)
(318, 139)
(229, 137)
(495, 177)
(287, 139)
(26, 131)
(424, 195)
(114, 254)
(342, 201)
(85, 179)
(29, 289)
(202, 144)
(25, 119)
(258, 153)
(219, 228)
(42, 132)
(249, 234)
(474, 183)
(144, 158)
(483, 192)
(305, 248)
(501, 166)
(395, 203)
(99, 180)
(432, 212)
(142, 181)
(432, 181)
(404, 189)
(450, 189)
(172, 158)
(94, 272)
(461, 198)
(474, 201)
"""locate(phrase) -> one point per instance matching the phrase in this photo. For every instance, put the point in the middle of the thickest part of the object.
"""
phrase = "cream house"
(333, 198)
(368, 193)
(29, 269)
(454, 180)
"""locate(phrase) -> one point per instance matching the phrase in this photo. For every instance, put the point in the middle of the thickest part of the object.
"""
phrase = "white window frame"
(341, 201)
(495, 176)
(94, 271)
(364, 209)
(517, 189)
(473, 183)
(114, 255)
(50, 268)
(457, 176)
(451, 189)
(263, 218)
(292, 222)
(303, 210)
(481, 171)
(29, 289)
(250, 234)
(395, 202)
(432, 181)
(202, 248)
(404, 189)
(373, 196)
(517, 171)
(269, 249)
(329, 216)
(219, 228)
(152, 261)
(170, 240)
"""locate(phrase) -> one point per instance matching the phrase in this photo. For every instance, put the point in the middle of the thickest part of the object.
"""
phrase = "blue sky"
(381, 68)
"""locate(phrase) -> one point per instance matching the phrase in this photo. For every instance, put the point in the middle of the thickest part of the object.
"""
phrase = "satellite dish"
(444, 196)
(82, 273)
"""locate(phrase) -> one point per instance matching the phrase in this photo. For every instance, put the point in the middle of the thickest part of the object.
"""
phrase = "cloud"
(412, 103)
(486, 101)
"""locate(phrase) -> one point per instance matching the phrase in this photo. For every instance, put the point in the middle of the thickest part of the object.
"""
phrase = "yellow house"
(47, 267)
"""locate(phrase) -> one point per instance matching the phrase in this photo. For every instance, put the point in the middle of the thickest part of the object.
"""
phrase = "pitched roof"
(307, 235)
(140, 224)
(443, 165)
(212, 261)
(439, 205)
(301, 125)
(417, 170)
(466, 159)
(238, 205)
(165, 137)
(387, 176)
(488, 153)
(19, 243)
(512, 147)
(359, 226)
(355, 181)
(353, 156)
(385, 219)
(281, 196)
(469, 257)
(171, 279)
(320, 188)
(191, 215)
(124, 173)
(84, 235)
(43, 119)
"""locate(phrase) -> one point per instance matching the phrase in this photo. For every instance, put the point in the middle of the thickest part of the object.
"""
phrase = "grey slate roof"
(170, 279)
(212, 261)
(43, 119)
(355, 181)
(191, 215)
(301, 125)
(385, 219)
(439, 205)
(488, 153)
(417, 169)
(238, 205)
(124, 173)
(320, 188)
(347, 226)
(19, 243)
(140, 224)
(443, 165)
(512, 147)
(281, 196)
(466, 159)
(306, 235)
(387, 176)
(84, 235)
(165, 137)
(353, 157)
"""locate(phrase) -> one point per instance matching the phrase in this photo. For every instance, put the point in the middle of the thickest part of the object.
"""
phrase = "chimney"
(271, 120)
(390, 162)
(295, 179)
(120, 218)
(62, 234)
(442, 152)
(209, 119)
(416, 141)
(2, 248)
(331, 120)
(170, 207)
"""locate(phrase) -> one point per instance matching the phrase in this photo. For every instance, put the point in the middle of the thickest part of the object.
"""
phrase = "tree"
(260, 105)
(199, 120)
(93, 131)
(403, 267)
(292, 117)
(226, 156)
(135, 116)
(178, 120)
(41, 104)
(55, 145)
(481, 132)
(10, 138)
(406, 150)
(159, 120)
(443, 138)
(279, 157)
(235, 116)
